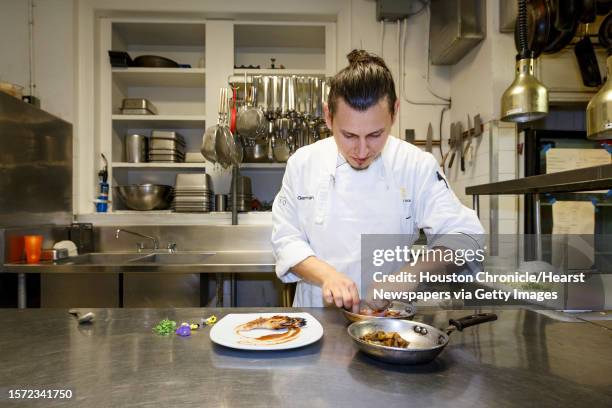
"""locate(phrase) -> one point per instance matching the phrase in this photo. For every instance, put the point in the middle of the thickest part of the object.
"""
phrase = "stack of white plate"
(193, 193)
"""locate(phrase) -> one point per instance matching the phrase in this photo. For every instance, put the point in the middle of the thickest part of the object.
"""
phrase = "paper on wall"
(571, 159)
(576, 219)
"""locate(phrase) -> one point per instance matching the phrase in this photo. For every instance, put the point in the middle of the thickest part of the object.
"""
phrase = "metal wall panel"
(35, 166)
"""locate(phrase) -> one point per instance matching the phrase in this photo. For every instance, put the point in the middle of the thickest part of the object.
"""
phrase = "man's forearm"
(313, 270)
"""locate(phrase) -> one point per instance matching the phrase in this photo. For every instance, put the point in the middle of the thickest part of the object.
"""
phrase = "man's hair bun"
(357, 57)
(362, 83)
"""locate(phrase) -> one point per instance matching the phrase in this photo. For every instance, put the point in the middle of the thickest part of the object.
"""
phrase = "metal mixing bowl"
(144, 197)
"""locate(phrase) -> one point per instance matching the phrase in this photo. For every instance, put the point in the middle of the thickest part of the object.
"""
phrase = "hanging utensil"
(429, 141)
(281, 148)
(453, 144)
(251, 122)
(475, 132)
(587, 60)
(209, 142)
(538, 25)
(469, 136)
(459, 131)
(223, 135)
(563, 26)
(605, 32)
(232, 124)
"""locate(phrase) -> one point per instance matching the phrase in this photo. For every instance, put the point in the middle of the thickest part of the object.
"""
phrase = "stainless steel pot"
(135, 148)
(425, 341)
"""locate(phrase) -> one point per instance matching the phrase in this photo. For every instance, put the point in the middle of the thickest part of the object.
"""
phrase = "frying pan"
(588, 11)
(563, 13)
(406, 311)
(425, 341)
(538, 26)
(154, 61)
(605, 32)
(561, 33)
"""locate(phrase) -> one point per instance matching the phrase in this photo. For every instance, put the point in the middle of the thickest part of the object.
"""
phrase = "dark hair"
(362, 83)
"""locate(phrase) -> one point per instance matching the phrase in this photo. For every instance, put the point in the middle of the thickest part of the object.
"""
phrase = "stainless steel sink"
(177, 258)
(101, 258)
(131, 258)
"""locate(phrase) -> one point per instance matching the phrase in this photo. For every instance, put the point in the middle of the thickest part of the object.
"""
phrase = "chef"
(360, 181)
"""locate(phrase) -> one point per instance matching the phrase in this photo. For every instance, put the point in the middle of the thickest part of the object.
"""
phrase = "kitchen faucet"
(140, 245)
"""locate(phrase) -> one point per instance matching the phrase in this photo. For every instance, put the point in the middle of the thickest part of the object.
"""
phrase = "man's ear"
(328, 116)
(396, 110)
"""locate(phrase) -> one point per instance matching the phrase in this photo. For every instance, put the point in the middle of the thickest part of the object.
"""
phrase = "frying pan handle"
(472, 320)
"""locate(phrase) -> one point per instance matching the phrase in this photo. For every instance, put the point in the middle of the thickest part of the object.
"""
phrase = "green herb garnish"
(165, 327)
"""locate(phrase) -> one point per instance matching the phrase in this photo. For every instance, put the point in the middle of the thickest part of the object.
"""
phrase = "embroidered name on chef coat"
(305, 197)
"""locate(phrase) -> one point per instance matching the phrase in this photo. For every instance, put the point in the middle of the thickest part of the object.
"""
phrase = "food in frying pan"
(290, 326)
(382, 338)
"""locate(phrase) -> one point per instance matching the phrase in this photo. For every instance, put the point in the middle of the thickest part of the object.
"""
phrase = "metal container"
(166, 157)
(144, 197)
(220, 202)
(167, 144)
(53, 254)
(135, 147)
(190, 182)
(136, 106)
(161, 139)
(256, 153)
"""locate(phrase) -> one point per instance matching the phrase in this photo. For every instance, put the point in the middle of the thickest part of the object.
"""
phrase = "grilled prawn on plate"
(273, 323)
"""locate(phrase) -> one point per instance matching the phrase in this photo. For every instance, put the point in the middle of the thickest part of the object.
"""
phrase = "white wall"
(365, 33)
(53, 52)
(478, 81)
(14, 45)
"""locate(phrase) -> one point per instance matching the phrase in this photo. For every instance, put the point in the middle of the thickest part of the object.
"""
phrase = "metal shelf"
(263, 166)
(123, 165)
(585, 179)
(162, 121)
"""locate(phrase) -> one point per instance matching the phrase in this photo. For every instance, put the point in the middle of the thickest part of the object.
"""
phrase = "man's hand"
(341, 290)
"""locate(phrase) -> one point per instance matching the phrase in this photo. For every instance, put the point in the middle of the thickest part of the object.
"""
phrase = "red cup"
(33, 248)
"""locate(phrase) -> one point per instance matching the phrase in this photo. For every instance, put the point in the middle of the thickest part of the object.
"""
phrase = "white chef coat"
(324, 206)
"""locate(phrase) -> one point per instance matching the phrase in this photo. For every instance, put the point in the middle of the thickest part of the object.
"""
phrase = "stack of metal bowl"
(244, 195)
(145, 197)
(193, 193)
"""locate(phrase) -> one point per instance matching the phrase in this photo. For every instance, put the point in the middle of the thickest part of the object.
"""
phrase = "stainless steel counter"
(220, 262)
(522, 359)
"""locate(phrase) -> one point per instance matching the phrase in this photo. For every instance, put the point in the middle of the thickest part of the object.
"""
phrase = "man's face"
(360, 135)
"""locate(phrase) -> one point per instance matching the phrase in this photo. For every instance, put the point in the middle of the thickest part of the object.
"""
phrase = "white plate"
(223, 333)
